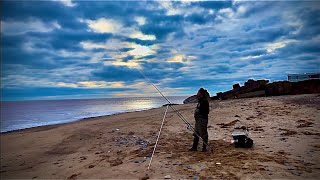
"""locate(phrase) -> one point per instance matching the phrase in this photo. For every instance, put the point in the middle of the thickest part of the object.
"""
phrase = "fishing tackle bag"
(241, 139)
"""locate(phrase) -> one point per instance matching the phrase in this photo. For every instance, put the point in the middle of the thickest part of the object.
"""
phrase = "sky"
(81, 49)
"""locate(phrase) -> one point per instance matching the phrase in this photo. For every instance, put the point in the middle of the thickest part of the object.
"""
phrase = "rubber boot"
(204, 146)
(195, 143)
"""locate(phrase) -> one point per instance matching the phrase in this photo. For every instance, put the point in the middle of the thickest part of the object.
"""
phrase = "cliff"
(258, 88)
(261, 88)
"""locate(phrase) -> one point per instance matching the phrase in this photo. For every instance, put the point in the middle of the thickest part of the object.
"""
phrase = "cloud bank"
(93, 49)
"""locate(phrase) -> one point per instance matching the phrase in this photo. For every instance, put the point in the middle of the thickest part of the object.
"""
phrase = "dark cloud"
(262, 35)
(199, 18)
(188, 82)
(117, 73)
(161, 26)
(139, 41)
(216, 5)
(210, 39)
(161, 67)
(112, 9)
(127, 58)
(70, 39)
(23, 10)
(36, 59)
(125, 49)
(52, 92)
(155, 71)
(12, 41)
(306, 47)
(220, 69)
(310, 24)
(47, 11)
(259, 8)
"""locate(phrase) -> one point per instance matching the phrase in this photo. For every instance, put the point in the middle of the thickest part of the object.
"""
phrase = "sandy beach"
(285, 131)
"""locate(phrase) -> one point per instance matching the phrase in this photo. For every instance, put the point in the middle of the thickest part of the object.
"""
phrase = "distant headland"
(260, 88)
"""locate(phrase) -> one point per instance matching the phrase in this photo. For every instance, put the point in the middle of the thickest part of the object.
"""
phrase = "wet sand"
(285, 131)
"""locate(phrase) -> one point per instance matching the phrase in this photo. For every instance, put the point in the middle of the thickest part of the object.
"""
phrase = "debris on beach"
(227, 125)
(129, 139)
(287, 132)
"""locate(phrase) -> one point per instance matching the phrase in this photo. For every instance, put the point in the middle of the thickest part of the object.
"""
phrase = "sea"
(16, 115)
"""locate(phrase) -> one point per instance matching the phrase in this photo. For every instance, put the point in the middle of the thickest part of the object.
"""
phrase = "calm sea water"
(26, 114)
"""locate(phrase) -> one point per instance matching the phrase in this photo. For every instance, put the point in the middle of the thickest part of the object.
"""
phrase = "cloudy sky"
(79, 49)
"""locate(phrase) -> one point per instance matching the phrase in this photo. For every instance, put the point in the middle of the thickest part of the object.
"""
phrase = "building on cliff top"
(302, 77)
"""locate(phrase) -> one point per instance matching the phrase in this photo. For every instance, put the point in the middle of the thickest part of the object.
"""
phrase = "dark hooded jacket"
(202, 107)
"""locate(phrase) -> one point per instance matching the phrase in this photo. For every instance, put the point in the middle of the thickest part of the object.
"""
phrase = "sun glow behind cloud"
(140, 50)
(67, 3)
(103, 25)
(274, 46)
(181, 58)
(140, 20)
(140, 35)
(130, 64)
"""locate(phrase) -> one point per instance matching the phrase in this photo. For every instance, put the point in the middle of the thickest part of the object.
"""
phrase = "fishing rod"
(189, 126)
(174, 109)
(155, 146)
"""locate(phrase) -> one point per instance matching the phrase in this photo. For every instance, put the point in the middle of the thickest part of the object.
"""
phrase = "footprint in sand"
(116, 162)
(82, 158)
(73, 176)
(283, 139)
(287, 132)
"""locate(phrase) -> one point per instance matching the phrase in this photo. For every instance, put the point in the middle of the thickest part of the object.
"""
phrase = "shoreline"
(5, 101)
(50, 126)
(285, 131)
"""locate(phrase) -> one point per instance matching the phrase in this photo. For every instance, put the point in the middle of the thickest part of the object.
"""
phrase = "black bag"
(242, 140)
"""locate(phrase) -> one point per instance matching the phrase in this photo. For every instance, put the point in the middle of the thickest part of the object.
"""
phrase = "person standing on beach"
(201, 118)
